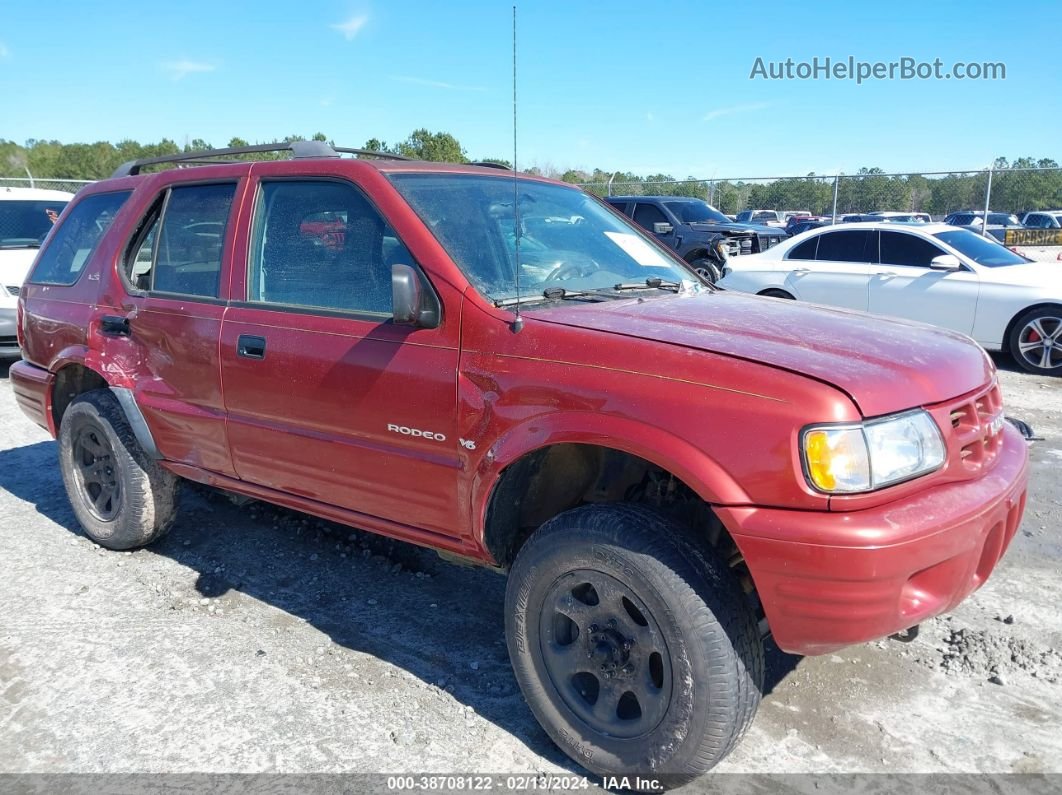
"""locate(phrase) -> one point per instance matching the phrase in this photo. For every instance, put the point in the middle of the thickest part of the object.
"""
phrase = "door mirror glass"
(662, 228)
(945, 262)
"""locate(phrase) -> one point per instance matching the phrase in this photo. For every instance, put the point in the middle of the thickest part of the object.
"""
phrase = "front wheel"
(121, 497)
(636, 650)
(1036, 341)
(707, 270)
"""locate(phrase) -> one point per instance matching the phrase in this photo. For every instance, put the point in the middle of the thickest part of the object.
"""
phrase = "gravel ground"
(252, 639)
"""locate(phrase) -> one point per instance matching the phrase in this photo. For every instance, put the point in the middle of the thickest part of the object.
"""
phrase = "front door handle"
(251, 347)
(885, 274)
(115, 325)
(801, 271)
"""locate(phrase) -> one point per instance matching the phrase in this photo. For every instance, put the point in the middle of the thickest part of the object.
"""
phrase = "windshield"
(25, 223)
(568, 240)
(982, 250)
(693, 212)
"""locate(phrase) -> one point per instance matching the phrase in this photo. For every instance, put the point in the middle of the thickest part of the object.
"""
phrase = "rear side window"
(805, 250)
(179, 247)
(322, 245)
(74, 241)
(846, 246)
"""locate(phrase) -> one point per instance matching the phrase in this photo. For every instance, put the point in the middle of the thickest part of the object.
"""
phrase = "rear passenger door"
(833, 268)
(326, 397)
(165, 332)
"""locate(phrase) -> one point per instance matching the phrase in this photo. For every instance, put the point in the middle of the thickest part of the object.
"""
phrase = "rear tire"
(636, 650)
(122, 498)
(1035, 341)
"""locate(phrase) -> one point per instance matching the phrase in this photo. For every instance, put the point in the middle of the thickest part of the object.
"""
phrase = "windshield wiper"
(649, 284)
(549, 294)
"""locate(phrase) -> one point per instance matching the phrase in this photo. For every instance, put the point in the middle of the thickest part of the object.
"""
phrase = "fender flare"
(135, 417)
(706, 477)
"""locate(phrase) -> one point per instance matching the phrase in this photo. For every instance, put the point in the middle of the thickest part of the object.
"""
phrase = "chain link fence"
(1006, 190)
(68, 185)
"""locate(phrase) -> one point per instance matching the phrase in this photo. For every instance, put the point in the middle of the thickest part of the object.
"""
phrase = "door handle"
(801, 270)
(251, 347)
(885, 274)
(115, 326)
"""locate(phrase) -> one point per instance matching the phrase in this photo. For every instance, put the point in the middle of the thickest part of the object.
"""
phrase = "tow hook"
(907, 635)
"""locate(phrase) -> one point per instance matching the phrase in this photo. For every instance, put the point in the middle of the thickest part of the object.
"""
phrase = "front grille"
(976, 429)
(766, 241)
(13, 290)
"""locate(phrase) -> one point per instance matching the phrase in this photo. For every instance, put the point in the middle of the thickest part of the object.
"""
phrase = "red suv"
(503, 368)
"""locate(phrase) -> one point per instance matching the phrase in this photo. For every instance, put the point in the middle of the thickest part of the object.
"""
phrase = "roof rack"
(298, 149)
(489, 164)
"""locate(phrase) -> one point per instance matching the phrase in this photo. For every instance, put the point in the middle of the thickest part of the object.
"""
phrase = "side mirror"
(411, 304)
(946, 262)
(662, 228)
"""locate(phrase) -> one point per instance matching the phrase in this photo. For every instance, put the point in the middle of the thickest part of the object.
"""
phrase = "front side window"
(898, 248)
(567, 239)
(645, 215)
(322, 245)
(179, 247)
(73, 242)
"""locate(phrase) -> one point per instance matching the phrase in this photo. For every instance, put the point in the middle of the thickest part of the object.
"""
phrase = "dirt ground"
(253, 639)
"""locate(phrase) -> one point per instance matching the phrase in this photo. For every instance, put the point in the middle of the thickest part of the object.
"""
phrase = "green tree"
(441, 147)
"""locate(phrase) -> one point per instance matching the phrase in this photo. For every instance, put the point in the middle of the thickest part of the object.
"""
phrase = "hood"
(884, 365)
(1047, 275)
(712, 226)
(15, 264)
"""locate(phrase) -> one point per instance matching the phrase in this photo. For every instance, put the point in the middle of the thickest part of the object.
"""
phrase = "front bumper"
(829, 580)
(8, 332)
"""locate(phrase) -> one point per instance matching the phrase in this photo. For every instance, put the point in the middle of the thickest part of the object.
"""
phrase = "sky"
(648, 87)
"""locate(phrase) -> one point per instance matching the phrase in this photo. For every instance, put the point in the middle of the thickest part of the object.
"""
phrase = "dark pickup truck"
(698, 232)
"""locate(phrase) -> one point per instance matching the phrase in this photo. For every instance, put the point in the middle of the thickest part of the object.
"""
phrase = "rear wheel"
(1036, 341)
(121, 497)
(636, 650)
(777, 294)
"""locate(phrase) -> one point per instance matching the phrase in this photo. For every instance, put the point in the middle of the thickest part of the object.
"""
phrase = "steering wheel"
(570, 270)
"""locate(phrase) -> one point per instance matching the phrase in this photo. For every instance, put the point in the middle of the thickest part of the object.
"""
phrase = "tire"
(772, 293)
(122, 498)
(707, 269)
(1035, 341)
(671, 628)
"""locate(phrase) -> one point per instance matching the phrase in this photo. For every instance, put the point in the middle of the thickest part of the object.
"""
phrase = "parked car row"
(939, 274)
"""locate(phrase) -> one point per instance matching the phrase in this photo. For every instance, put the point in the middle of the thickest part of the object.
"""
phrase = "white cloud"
(649, 117)
(733, 109)
(181, 69)
(5, 53)
(352, 26)
(420, 81)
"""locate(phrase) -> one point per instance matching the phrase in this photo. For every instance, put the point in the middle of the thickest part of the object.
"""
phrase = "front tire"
(707, 270)
(122, 498)
(1036, 341)
(636, 650)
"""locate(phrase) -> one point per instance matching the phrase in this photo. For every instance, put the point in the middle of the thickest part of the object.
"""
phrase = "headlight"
(842, 459)
(721, 247)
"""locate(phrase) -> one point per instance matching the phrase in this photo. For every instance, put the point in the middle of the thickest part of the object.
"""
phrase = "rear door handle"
(801, 270)
(115, 325)
(885, 274)
(251, 347)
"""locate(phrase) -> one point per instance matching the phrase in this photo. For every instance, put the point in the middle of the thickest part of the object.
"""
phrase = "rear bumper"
(828, 580)
(32, 386)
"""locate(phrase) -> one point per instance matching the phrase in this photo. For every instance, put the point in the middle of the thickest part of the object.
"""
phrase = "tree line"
(1024, 184)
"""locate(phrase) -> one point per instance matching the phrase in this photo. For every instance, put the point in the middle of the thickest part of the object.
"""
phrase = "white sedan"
(933, 273)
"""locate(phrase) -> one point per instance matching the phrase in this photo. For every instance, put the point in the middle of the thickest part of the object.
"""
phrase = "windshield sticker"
(638, 250)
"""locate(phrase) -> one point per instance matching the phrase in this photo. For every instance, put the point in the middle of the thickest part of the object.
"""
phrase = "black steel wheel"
(634, 646)
(120, 495)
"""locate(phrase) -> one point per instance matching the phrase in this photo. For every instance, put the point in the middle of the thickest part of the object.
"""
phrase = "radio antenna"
(518, 321)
